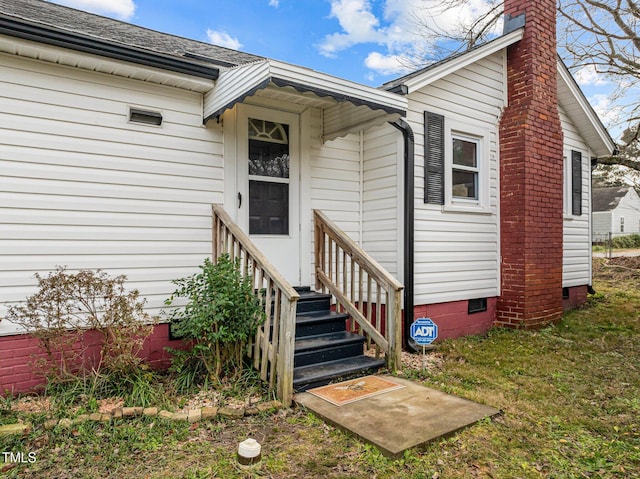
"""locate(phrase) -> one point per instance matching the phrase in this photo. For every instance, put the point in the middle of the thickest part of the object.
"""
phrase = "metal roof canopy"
(347, 107)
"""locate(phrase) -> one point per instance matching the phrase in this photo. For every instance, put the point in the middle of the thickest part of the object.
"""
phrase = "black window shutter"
(433, 158)
(576, 183)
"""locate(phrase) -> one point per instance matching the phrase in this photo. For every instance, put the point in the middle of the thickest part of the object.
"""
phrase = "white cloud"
(402, 29)
(121, 9)
(274, 3)
(589, 76)
(607, 110)
(359, 25)
(387, 64)
(223, 39)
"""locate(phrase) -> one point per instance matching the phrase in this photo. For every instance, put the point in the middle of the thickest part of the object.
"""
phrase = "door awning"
(347, 106)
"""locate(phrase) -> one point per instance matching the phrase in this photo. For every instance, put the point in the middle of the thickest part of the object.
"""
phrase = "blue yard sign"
(424, 331)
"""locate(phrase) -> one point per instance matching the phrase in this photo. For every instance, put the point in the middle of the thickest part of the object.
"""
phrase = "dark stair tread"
(312, 296)
(311, 375)
(328, 340)
(313, 301)
(313, 323)
(319, 316)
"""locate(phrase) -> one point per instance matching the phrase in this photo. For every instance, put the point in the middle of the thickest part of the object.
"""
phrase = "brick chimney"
(531, 174)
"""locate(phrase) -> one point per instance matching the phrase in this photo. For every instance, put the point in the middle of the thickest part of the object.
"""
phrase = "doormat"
(350, 391)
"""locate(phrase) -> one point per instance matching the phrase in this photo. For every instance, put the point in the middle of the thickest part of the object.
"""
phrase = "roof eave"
(446, 67)
(40, 33)
(589, 119)
(237, 84)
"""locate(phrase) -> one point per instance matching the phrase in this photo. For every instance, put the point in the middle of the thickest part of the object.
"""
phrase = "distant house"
(615, 210)
(467, 182)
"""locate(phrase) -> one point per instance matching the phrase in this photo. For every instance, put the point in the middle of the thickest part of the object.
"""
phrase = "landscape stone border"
(191, 415)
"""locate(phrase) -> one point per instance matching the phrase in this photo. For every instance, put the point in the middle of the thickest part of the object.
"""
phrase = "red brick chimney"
(531, 174)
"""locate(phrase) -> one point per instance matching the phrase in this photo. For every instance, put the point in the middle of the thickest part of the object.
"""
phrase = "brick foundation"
(453, 319)
(17, 354)
(531, 175)
(577, 297)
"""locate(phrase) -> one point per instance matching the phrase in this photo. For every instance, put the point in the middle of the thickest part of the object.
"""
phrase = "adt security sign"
(424, 331)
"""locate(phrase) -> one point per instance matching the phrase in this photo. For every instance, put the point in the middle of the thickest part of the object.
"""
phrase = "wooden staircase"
(324, 350)
(303, 343)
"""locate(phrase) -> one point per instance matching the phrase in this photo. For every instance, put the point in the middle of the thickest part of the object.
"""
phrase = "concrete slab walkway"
(401, 419)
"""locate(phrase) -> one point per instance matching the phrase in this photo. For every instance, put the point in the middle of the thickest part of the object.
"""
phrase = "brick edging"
(191, 415)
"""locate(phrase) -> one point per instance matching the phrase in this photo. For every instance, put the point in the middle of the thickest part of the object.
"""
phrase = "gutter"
(50, 36)
(408, 218)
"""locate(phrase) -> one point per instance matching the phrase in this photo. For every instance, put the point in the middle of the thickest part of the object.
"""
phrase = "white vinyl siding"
(605, 222)
(629, 209)
(457, 252)
(601, 224)
(382, 227)
(85, 188)
(576, 270)
(334, 183)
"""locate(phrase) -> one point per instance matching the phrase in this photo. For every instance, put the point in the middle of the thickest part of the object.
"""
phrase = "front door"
(268, 185)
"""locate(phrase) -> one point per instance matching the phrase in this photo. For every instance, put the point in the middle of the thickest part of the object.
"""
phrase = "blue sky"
(367, 41)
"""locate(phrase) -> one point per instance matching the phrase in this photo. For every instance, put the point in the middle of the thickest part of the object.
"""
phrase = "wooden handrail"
(252, 250)
(273, 345)
(360, 286)
(344, 241)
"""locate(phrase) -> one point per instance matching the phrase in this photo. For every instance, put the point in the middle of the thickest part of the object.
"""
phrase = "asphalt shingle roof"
(119, 32)
(606, 199)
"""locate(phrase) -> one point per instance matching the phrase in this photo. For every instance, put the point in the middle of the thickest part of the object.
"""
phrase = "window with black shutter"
(433, 158)
(576, 183)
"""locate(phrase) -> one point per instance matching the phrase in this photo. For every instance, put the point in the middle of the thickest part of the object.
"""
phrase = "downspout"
(361, 192)
(408, 218)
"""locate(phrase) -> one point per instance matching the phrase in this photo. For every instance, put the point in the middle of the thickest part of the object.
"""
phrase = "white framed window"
(566, 186)
(572, 184)
(622, 224)
(457, 164)
(465, 170)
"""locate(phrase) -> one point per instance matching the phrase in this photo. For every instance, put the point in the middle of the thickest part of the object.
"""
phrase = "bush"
(66, 305)
(628, 241)
(222, 313)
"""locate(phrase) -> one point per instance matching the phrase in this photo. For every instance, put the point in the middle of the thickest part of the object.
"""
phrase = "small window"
(566, 187)
(464, 171)
(477, 305)
(456, 164)
(572, 184)
(576, 183)
(622, 224)
(565, 293)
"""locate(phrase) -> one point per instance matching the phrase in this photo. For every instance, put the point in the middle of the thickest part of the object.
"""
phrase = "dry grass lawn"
(570, 395)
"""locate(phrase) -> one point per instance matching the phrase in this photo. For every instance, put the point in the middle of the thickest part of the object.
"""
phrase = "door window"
(268, 177)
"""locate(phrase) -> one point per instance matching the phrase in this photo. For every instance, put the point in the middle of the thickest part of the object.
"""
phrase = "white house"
(616, 210)
(115, 141)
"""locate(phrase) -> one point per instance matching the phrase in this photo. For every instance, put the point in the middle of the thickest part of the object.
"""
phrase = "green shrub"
(221, 314)
(625, 242)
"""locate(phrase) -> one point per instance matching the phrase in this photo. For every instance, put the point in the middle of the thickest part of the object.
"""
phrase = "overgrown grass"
(570, 396)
